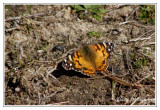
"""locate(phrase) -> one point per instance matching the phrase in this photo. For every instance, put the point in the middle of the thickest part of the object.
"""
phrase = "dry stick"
(137, 39)
(126, 22)
(110, 33)
(22, 52)
(29, 16)
(143, 78)
(46, 97)
(140, 25)
(60, 103)
(135, 101)
(11, 29)
(109, 75)
(121, 6)
(136, 24)
(113, 87)
(123, 82)
(141, 37)
(151, 43)
(132, 13)
(44, 61)
(39, 69)
(39, 98)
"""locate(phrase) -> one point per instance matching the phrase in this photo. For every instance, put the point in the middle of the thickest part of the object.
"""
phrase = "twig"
(125, 22)
(110, 33)
(39, 101)
(143, 26)
(22, 52)
(147, 33)
(39, 69)
(132, 13)
(136, 24)
(60, 103)
(121, 6)
(52, 70)
(49, 96)
(139, 38)
(46, 79)
(135, 101)
(12, 29)
(113, 90)
(123, 82)
(135, 85)
(29, 16)
(151, 43)
(143, 78)
(35, 35)
(49, 73)
(57, 14)
(113, 87)
(44, 61)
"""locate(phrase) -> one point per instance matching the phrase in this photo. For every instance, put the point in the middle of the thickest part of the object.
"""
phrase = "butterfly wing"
(78, 62)
(89, 60)
(102, 51)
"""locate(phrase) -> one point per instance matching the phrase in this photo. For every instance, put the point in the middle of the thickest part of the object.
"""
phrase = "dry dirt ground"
(37, 43)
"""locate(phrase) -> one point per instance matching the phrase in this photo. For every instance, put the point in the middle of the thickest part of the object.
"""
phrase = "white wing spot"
(70, 58)
(104, 44)
(70, 64)
(109, 49)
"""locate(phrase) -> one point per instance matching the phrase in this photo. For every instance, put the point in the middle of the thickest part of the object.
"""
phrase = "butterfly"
(90, 59)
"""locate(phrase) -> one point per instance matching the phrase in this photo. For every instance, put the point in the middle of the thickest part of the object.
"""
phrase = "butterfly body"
(90, 59)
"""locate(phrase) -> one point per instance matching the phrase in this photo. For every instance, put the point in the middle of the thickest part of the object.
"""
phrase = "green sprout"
(96, 11)
(94, 34)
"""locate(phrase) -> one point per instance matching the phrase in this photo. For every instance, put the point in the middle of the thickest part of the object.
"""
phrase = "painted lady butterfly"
(90, 59)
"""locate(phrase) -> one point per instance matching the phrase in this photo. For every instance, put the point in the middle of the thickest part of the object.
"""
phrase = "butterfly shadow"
(60, 71)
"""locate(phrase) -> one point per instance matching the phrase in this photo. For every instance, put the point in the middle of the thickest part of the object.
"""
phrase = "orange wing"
(81, 64)
(90, 59)
(101, 57)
